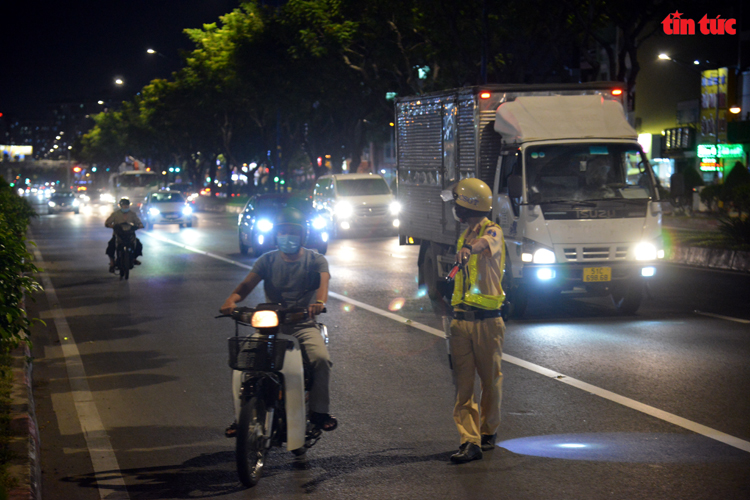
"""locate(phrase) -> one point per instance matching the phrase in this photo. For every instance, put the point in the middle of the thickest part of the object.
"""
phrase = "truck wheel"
(627, 297)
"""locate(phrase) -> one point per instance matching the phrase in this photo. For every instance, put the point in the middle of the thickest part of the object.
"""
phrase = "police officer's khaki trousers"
(477, 347)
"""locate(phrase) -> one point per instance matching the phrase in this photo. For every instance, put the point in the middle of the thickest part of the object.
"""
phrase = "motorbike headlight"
(645, 251)
(153, 211)
(187, 211)
(544, 256)
(264, 319)
(344, 209)
(265, 225)
(395, 208)
(318, 223)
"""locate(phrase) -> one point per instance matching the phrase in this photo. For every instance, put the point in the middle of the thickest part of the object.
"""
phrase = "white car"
(166, 207)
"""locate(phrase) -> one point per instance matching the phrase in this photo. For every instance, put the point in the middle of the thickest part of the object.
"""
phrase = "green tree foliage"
(15, 264)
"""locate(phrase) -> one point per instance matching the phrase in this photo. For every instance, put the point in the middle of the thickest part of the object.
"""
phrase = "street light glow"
(119, 81)
(735, 110)
(151, 51)
(664, 57)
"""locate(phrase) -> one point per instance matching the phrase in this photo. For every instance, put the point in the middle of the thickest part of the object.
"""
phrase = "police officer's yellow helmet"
(473, 194)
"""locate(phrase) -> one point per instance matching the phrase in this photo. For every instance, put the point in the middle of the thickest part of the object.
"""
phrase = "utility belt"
(476, 314)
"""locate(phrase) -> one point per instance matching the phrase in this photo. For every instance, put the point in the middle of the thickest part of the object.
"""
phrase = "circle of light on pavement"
(396, 304)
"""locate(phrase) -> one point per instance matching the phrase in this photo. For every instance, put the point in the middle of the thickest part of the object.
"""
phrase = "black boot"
(488, 442)
(466, 453)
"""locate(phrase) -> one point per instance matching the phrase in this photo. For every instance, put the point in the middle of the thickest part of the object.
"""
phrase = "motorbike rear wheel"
(251, 444)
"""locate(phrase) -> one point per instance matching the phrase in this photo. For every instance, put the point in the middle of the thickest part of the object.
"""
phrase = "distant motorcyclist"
(121, 216)
(285, 273)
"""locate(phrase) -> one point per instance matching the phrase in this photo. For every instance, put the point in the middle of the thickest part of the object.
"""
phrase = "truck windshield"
(587, 172)
(362, 187)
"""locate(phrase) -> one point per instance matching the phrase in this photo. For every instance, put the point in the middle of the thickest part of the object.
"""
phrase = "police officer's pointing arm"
(243, 290)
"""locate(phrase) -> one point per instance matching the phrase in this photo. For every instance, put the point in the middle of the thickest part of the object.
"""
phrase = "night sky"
(72, 51)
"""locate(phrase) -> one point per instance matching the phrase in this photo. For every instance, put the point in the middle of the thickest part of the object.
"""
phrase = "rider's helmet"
(291, 218)
(472, 198)
(124, 202)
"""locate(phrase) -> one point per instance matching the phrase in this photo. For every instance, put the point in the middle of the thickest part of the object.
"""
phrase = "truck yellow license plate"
(597, 274)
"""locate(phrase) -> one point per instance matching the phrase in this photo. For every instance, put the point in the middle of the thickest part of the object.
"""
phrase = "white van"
(357, 202)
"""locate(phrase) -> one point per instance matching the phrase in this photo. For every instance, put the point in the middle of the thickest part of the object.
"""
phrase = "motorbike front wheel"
(124, 263)
(251, 444)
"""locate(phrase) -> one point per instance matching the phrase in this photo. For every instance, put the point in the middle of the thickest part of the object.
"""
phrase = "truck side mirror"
(677, 185)
(515, 186)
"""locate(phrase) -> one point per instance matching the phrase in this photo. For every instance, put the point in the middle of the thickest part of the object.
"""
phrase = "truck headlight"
(645, 251)
(265, 225)
(395, 208)
(544, 256)
(344, 210)
(153, 211)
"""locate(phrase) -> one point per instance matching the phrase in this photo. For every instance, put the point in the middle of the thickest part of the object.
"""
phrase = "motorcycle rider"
(121, 216)
(285, 273)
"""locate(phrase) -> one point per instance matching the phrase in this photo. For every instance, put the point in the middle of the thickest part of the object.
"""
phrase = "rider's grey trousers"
(315, 349)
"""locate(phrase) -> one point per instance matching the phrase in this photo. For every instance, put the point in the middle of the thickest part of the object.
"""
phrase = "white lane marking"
(110, 482)
(719, 316)
(603, 393)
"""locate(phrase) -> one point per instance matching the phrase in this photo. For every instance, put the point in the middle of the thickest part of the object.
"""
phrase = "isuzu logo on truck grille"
(595, 214)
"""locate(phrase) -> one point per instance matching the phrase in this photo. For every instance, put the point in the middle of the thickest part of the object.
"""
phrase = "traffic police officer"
(477, 329)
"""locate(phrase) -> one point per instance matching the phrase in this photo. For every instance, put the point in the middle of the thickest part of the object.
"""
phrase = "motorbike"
(125, 248)
(275, 378)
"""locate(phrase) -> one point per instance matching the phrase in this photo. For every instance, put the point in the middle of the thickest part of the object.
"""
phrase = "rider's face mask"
(289, 243)
(125, 209)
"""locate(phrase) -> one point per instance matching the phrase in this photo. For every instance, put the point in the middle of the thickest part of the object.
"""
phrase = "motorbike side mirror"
(515, 186)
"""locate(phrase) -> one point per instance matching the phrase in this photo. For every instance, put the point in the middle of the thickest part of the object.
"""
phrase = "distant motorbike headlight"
(319, 223)
(395, 208)
(264, 319)
(51, 203)
(544, 256)
(265, 225)
(344, 210)
(187, 211)
(153, 211)
(645, 251)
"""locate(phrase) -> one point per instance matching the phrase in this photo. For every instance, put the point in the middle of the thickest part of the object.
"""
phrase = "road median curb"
(714, 258)
(24, 444)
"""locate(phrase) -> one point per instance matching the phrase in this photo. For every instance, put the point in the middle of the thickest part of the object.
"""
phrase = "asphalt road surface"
(133, 389)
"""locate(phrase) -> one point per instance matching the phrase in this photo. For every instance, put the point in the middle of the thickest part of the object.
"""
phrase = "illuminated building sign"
(710, 165)
(15, 152)
(721, 151)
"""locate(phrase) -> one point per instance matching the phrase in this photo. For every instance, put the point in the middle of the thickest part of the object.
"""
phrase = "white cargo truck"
(573, 191)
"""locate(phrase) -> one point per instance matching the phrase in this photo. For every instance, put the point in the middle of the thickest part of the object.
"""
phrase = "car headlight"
(51, 203)
(544, 256)
(395, 208)
(106, 198)
(187, 211)
(319, 223)
(344, 209)
(265, 225)
(645, 251)
(153, 211)
(76, 203)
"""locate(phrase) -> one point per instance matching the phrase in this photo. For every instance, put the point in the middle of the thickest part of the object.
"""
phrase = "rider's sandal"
(111, 269)
(324, 421)
(231, 431)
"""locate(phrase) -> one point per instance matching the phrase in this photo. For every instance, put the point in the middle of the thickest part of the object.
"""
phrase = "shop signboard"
(714, 84)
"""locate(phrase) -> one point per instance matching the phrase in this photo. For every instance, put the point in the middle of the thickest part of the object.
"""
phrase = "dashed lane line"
(584, 386)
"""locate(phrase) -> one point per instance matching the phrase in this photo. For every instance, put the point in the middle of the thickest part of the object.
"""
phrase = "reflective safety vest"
(464, 291)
